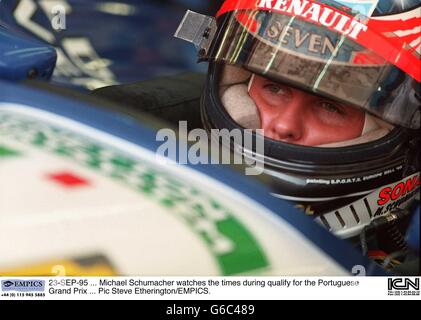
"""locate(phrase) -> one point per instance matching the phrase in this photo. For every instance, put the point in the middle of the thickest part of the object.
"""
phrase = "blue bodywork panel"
(104, 42)
(22, 57)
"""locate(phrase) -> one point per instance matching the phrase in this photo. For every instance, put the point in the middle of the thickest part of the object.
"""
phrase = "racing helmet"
(364, 53)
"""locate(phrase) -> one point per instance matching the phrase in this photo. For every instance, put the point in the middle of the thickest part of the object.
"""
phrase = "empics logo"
(8, 284)
(23, 285)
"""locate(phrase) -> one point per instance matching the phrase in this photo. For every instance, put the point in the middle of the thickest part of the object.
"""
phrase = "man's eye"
(331, 107)
(276, 89)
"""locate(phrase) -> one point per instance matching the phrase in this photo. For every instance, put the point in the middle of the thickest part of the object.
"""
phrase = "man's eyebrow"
(268, 81)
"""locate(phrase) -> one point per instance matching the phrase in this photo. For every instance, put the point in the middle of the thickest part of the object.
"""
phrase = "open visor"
(323, 60)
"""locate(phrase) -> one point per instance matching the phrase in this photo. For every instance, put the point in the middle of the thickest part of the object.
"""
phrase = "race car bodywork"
(85, 39)
(22, 57)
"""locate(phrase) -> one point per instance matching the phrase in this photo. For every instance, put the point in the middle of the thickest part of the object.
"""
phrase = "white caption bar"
(203, 288)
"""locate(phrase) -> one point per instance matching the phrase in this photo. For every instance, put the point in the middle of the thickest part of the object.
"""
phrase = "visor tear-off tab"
(198, 29)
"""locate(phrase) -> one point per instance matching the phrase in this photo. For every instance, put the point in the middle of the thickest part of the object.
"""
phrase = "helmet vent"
(354, 213)
(368, 208)
(326, 224)
(341, 220)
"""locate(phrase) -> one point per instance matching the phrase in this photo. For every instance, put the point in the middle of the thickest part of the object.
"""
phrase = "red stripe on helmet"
(370, 35)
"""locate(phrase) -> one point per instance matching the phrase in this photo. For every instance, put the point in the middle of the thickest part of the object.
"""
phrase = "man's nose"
(287, 124)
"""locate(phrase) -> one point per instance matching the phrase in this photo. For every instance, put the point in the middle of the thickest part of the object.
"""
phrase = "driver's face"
(294, 116)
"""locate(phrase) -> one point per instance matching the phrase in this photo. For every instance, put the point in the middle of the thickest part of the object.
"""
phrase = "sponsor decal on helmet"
(344, 21)
(399, 190)
(310, 41)
(348, 221)
(319, 14)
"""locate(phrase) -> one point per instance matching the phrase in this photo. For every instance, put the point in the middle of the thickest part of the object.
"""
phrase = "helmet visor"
(319, 59)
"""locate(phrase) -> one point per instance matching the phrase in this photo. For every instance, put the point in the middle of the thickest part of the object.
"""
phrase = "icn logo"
(404, 287)
(404, 284)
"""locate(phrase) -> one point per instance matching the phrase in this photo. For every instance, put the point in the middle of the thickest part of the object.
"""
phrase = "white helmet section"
(69, 191)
